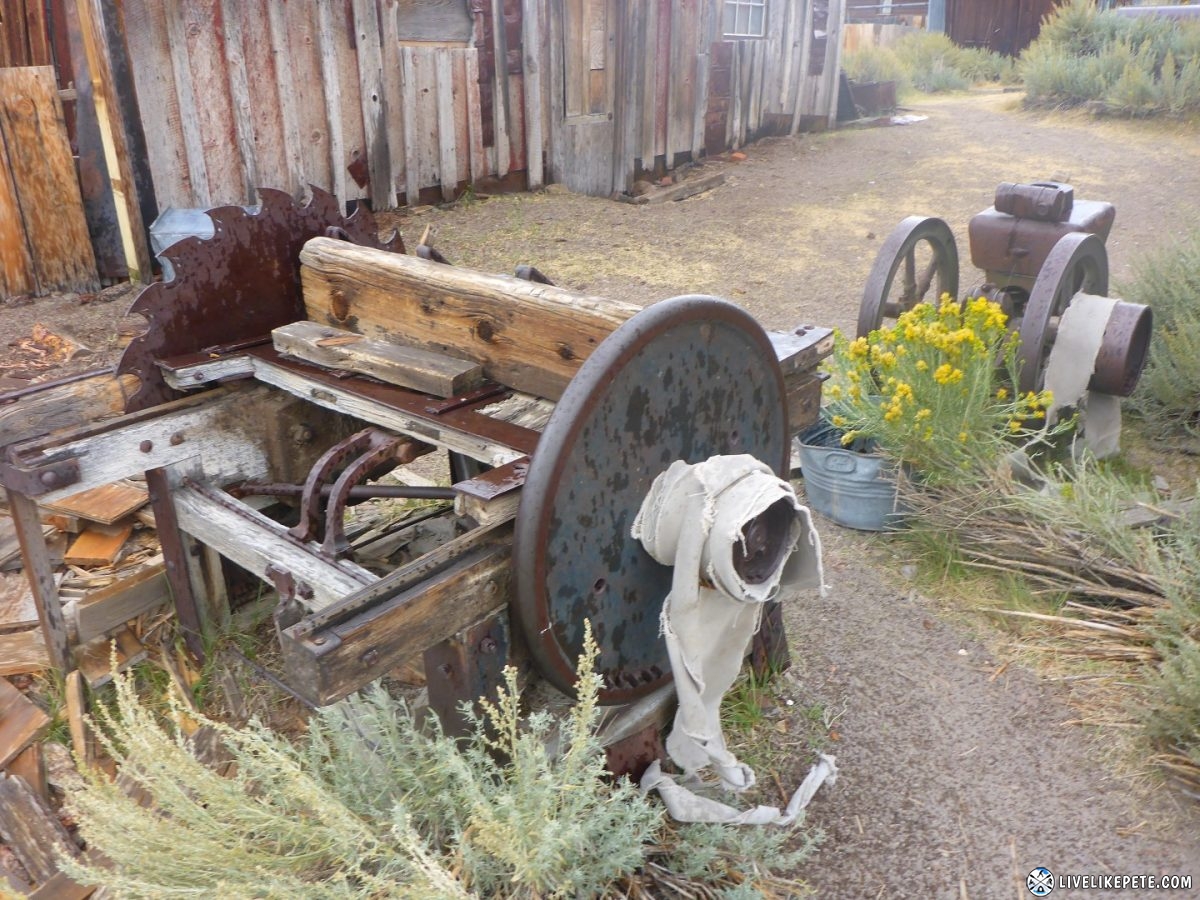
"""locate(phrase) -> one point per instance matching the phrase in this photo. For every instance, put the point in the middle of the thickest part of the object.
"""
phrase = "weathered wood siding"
(44, 242)
(399, 101)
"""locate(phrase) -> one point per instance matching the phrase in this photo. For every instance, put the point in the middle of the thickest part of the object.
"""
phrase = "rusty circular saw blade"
(921, 280)
(1078, 262)
(688, 378)
(236, 285)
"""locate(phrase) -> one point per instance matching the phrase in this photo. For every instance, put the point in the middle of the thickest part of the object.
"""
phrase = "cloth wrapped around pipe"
(701, 518)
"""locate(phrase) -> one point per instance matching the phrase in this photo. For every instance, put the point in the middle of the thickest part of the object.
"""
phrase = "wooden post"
(374, 109)
(174, 553)
(114, 135)
(40, 573)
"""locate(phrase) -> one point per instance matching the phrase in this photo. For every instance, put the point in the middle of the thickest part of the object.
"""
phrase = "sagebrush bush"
(1168, 281)
(927, 62)
(1127, 66)
(372, 804)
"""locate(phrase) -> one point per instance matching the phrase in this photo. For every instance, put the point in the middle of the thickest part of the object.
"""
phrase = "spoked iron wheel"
(1078, 263)
(918, 262)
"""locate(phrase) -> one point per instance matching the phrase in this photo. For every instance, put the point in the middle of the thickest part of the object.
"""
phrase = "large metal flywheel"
(688, 378)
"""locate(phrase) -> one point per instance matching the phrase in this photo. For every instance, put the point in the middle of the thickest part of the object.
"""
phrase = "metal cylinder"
(1123, 349)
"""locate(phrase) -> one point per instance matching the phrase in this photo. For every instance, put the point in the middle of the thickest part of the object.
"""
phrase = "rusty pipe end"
(1123, 349)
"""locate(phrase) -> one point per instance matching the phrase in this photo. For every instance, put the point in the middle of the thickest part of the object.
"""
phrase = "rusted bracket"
(33, 481)
(358, 456)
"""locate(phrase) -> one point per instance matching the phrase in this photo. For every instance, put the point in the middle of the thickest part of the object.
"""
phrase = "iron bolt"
(490, 589)
(49, 479)
(445, 668)
(177, 439)
(370, 657)
(146, 446)
(488, 645)
(318, 641)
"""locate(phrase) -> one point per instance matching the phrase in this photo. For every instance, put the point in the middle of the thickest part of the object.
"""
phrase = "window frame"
(736, 29)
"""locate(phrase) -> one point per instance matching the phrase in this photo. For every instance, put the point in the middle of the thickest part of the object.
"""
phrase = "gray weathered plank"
(285, 94)
(239, 91)
(447, 129)
(371, 96)
(193, 140)
(532, 41)
(331, 71)
(410, 367)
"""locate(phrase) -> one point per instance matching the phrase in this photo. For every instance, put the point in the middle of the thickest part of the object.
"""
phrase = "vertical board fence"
(404, 101)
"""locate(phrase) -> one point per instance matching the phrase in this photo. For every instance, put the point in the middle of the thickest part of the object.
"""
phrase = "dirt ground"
(960, 770)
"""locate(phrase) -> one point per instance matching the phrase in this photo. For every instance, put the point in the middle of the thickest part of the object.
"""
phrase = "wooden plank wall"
(44, 243)
(357, 97)
(24, 35)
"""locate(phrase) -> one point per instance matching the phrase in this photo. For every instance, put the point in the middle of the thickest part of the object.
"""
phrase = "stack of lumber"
(109, 572)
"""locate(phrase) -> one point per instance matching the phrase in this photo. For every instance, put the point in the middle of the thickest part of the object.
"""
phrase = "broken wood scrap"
(95, 658)
(104, 608)
(106, 504)
(31, 830)
(18, 609)
(23, 652)
(410, 367)
(99, 545)
(30, 764)
(21, 722)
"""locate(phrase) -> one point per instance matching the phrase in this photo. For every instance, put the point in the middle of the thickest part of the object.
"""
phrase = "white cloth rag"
(692, 519)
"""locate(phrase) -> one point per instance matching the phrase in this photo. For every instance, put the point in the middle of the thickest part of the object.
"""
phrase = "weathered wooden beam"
(258, 544)
(21, 722)
(410, 367)
(223, 429)
(109, 607)
(352, 398)
(529, 336)
(64, 406)
(40, 573)
(326, 663)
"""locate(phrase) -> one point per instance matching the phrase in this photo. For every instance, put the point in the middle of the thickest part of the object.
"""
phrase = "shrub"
(372, 804)
(934, 390)
(1168, 281)
(1134, 67)
(928, 62)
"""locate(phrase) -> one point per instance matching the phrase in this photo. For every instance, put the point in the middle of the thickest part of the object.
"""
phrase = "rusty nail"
(146, 446)
(488, 645)
(177, 439)
(318, 641)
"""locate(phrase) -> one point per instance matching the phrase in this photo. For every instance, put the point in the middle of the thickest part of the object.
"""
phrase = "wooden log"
(31, 830)
(410, 367)
(65, 406)
(529, 336)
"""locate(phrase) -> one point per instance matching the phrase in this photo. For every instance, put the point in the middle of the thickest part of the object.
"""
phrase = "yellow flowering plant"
(934, 390)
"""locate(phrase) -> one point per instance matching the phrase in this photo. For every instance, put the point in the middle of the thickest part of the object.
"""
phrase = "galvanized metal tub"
(854, 489)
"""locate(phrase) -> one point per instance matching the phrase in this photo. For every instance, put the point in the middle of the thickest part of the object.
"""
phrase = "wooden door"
(584, 65)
